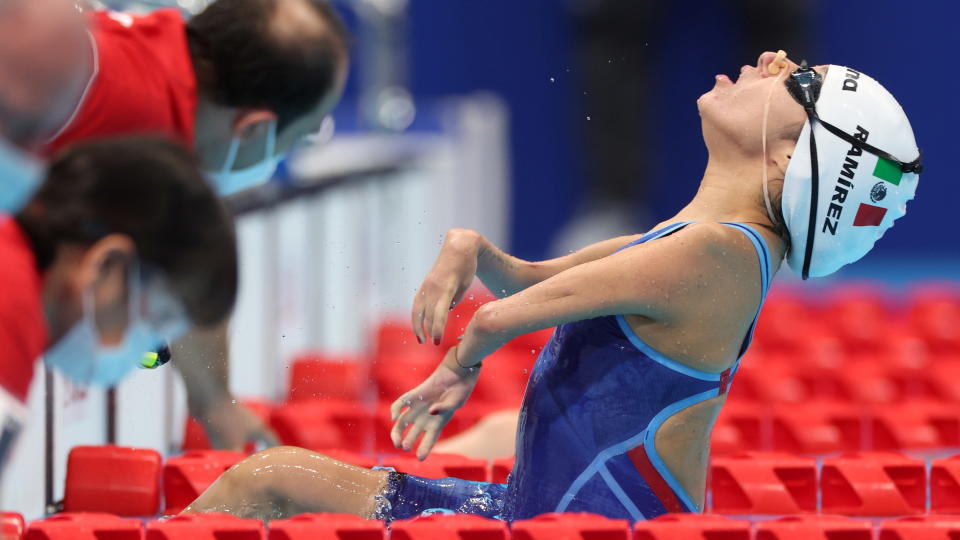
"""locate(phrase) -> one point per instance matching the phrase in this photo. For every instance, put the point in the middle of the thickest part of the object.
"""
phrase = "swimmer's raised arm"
(650, 280)
(467, 253)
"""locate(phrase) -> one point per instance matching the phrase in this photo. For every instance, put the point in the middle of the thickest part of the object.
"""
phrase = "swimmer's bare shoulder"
(675, 274)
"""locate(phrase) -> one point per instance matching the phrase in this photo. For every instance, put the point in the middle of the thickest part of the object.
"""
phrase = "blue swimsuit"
(585, 442)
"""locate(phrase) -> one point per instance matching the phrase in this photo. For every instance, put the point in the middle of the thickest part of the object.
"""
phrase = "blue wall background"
(514, 48)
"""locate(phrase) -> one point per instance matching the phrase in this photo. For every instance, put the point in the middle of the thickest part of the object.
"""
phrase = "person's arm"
(659, 280)
(465, 254)
(201, 356)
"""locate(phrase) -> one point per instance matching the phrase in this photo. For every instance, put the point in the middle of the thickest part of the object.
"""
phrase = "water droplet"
(588, 119)
(552, 79)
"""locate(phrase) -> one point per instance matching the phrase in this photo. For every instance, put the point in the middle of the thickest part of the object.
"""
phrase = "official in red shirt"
(241, 83)
(90, 284)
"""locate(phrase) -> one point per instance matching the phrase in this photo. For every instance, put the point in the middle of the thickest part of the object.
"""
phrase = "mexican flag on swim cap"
(859, 195)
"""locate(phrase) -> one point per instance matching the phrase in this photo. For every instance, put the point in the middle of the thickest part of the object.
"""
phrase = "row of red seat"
(831, 426)
(820, 426)
(468, 527)
(127, 481)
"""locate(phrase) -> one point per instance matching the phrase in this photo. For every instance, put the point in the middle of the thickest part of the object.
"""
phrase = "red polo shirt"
(143, 80)
(23, 329)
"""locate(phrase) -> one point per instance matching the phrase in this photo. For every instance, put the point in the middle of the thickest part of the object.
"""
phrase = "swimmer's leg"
(492, 437)
(285, 481)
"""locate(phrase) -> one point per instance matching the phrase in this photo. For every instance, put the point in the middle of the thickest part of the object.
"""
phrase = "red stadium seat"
(574, 526)
(503, 378)
(860, 316)
(691, 527)
(873, 484)
(921, 528)
(187, 476)
(397, 374)
(441, 466)
(195, 437)
(327, 527)
(935, 315)
(814, 528)
(309, 425)
(115, 479)
(945, 486)
(763, 483)
(449, 527)
(815, 427)
(725, 439)
(317, 376)
(500, 469)
(206, 527)
(396, 338)
(92, 526)
(787, 320)
(460, 316)
(11, 526)
(917, 424)
(818, 427)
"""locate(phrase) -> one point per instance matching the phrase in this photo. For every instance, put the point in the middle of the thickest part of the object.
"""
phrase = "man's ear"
(247, 121)
(107, 262)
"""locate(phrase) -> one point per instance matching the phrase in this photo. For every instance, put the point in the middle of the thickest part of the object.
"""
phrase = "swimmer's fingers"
(416, 316)
(399, 425)
(430, 436)
(402, 402)
(440, 311)
(416, 429)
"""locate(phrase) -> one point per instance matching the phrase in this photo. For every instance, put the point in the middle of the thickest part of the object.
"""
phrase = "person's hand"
(232, 426)
(445, 284)
(426, 409)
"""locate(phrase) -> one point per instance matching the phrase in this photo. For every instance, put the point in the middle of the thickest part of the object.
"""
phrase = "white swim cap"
(841, 192)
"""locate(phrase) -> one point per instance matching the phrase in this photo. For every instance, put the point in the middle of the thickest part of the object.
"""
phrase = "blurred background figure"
(45, 65)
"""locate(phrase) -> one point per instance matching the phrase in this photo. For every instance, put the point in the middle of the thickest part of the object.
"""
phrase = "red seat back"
(205, 527)
(84, 526)
(921, 528)
(317, 376)
(573, 526)
(449, 527)
(692, 527)
(115, 479)
(327, 527)
(763, 483)
(873, 484)
(814, 528)
(187, 476)
(11, 526)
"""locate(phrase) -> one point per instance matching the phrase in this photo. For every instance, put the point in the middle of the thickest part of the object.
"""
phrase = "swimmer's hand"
(445, 284)
(426, 409)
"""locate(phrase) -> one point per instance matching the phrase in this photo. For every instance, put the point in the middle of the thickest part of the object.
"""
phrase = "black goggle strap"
(915, 166)
(814, 198)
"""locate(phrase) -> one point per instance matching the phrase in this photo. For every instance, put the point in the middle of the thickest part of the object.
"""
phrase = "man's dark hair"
(243, 59)
(151, 190)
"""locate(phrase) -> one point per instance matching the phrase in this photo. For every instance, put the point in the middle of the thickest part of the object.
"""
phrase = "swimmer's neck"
(728, 192)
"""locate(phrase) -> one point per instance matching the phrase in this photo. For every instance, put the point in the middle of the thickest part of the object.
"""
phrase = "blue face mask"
(20, 176)
(81, 357)
(228, 181)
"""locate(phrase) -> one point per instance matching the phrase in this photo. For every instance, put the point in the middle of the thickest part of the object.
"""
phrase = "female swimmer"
(650, 329)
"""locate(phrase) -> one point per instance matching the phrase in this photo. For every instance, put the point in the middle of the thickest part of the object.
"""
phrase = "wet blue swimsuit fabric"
(595, 399)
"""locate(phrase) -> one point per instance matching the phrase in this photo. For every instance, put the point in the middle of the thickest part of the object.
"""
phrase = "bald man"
(45, 60)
